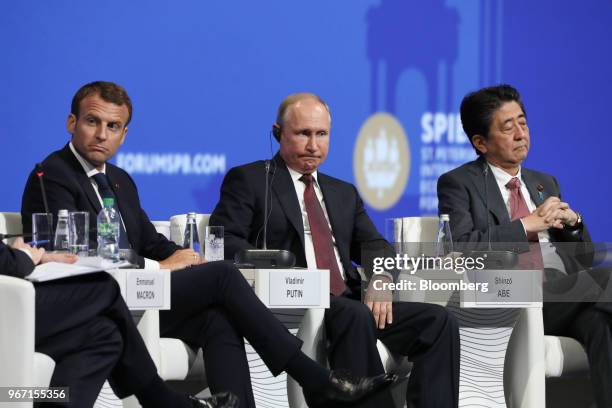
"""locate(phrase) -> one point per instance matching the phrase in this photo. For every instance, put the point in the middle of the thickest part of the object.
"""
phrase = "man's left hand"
(380, 302)
(59, 257)
(568, 216)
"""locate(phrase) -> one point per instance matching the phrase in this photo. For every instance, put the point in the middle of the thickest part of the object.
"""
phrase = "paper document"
(56, 270)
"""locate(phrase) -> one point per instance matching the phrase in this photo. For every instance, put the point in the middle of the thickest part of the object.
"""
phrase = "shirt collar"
(89, 169)
(295, 175)
(501, 176)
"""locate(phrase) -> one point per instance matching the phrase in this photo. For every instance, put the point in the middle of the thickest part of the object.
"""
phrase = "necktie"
(518, 205)
(519, 209)
(106, 191)
(322, 237)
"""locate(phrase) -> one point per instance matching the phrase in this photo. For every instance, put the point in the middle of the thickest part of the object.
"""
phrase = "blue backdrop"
(206, 77)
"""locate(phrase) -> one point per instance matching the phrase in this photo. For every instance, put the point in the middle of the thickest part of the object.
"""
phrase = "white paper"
(84, 265)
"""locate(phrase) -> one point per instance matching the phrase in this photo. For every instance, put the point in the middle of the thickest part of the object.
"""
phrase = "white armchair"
(532, 357)
(20, 365)
(175, 360)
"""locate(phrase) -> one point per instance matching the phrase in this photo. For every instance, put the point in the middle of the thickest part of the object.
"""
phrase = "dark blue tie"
(106, 191)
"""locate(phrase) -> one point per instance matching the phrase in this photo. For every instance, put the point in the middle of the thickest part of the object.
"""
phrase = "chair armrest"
(17, 302)
(312, 334)
(525, 364)
(148, 327)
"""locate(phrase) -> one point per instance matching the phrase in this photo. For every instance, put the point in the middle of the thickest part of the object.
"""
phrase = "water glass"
(42, 224)
(213, 243)
(78, 232)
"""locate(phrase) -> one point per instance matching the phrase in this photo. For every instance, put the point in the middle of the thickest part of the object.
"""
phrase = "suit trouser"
(427, 334)
(85, 326)
(588, 322)
(214, 307)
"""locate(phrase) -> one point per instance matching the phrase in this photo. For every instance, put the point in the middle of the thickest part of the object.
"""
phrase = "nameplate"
(506, 288)
(295, 288)
(144, 289)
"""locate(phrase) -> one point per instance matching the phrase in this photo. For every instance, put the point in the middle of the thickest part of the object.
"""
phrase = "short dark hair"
(108, 91)
(478, 108)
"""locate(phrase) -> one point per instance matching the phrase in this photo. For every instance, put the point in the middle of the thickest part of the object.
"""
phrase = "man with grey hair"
(323, 222)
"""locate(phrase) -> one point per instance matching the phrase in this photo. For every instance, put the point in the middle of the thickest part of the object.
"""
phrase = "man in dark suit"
(323, 222)
(524, 206)
(213, 307)
(84, 325)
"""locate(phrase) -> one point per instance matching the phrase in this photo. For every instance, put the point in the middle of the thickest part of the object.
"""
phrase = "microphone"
(265, 258)
(40, 174)
(267, 193)
(486, 192)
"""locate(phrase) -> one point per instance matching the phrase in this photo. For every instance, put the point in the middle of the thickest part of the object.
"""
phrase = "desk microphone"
(493, 259)
(486, 192)
(265, 258)
(267, 191)
(41, 174)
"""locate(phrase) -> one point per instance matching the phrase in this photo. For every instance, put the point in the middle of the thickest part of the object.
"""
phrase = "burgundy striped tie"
(322, 237)
(518, 205)
(519, 209)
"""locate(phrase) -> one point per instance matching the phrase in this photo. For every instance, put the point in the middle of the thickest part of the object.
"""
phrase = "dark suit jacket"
(68, 187)
(14, 263)
(241, 211)
(461, 194)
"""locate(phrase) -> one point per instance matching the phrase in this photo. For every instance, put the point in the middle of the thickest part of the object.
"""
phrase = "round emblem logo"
(381, 161)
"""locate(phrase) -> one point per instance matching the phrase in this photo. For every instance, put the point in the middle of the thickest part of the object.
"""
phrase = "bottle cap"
(108, 201)
(62, 213)
(444, 217)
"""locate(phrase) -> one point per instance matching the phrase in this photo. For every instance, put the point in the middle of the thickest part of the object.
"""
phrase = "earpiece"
(276, 131)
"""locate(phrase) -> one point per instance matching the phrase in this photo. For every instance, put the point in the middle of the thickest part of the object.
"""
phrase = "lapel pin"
(541, 192)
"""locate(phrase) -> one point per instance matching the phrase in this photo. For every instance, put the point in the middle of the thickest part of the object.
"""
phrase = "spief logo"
(381, 161)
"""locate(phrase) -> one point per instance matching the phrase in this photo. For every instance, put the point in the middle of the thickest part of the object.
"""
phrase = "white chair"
(532, 357)
(175, 360)
(20, 365)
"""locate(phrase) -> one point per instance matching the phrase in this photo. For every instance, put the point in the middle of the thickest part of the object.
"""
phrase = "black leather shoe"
(345, 389)
(220, 400)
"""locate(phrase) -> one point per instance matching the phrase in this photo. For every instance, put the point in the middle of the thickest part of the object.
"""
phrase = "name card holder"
(144, 289)
(506, 289)
(290, 288)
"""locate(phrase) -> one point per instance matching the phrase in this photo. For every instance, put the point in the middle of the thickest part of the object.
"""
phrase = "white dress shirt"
(92, 171)
(311, 260)
(549, 254)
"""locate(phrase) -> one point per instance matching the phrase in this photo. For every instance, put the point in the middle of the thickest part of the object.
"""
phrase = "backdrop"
(206, 78)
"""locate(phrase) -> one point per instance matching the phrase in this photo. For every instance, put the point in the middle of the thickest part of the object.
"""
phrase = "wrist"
(576, 223)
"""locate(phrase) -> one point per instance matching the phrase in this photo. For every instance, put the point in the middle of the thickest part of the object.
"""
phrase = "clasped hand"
(552, 213)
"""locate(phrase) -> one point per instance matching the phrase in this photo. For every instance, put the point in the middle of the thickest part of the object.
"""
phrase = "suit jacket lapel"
(494, 200)
(282, 186)
(116, 187)
(82, 178)
(532, 185)
(332, 201)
